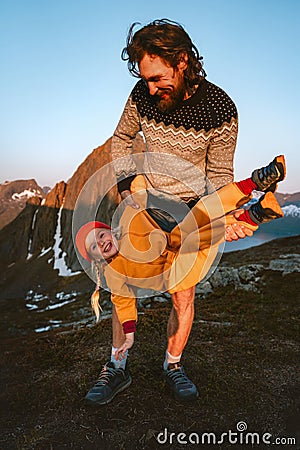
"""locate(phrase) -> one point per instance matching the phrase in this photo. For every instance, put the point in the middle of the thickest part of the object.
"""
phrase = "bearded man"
(186, 122)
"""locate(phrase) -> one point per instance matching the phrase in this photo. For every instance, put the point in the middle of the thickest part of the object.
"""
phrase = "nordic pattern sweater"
(195, 140)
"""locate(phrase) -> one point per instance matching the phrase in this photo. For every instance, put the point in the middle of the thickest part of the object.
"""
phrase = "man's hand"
(127, 197)
(129, 340)
(237, 230)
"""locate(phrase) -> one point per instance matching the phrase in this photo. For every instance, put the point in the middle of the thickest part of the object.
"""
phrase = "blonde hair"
(98, 269)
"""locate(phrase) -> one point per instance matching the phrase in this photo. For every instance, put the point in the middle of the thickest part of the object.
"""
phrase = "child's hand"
(128, 343)
(127, 197)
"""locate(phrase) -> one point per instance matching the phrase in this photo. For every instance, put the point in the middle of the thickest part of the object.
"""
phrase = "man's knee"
(183, 299)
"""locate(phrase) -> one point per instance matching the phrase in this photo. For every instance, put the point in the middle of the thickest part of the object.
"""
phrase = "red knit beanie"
(82, 234)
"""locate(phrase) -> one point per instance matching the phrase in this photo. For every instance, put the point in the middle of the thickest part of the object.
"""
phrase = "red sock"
(245, 217)
(246, 186)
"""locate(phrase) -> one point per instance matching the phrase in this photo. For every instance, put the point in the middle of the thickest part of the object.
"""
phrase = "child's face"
(101, 243)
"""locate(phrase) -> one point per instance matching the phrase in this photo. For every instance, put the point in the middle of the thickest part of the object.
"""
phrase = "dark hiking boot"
(183, 389)
(111, 381)
(266, 209)
(266, 178)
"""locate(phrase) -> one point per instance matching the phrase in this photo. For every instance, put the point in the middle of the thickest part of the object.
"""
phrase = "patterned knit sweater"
(186, 149)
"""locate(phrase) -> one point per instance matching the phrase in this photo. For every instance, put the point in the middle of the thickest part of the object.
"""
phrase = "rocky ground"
(243, 354)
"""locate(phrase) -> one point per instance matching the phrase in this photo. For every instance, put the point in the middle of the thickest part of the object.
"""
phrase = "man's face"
(164, 82)
(100, 243)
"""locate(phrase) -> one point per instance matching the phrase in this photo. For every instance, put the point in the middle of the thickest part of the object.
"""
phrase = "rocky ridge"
(248, 277)
(39, 241)
(14, 196)
(63, 303)
(34, 229)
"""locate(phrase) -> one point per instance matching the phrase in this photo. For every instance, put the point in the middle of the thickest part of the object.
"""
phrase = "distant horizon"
(43, 186)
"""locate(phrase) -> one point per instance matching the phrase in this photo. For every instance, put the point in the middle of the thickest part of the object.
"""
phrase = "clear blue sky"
(63, 84)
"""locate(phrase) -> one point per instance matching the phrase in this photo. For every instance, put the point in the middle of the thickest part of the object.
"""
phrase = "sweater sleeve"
(126, 311)
(121, 146)
(220, 153)
(122, 294)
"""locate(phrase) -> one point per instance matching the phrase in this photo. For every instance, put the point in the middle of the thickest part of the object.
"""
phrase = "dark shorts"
(167, 212)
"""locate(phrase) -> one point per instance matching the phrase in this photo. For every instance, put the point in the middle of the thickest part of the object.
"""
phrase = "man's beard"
(174, 99)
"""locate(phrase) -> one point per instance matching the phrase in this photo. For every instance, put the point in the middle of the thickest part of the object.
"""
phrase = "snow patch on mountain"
(291, 211)
(59, 255)
(29, 254)
(27, 193)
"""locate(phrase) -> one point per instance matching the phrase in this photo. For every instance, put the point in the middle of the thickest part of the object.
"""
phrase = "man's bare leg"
(180, 320)
(179, 328)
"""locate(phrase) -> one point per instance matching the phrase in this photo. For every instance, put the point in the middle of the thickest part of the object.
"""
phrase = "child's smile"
(101, 243)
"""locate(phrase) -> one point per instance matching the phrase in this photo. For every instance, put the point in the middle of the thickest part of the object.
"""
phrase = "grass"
(243, 354)
(244, 370)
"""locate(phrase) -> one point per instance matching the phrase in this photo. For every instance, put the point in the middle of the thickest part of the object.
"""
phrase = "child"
(145, 256)
(170, 261)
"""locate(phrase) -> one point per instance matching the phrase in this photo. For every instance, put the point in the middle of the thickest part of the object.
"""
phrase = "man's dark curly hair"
(169, 41)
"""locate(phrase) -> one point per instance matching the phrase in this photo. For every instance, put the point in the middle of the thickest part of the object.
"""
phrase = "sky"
(63, 84)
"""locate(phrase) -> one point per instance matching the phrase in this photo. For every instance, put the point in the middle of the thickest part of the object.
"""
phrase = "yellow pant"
(199, 235)
(151, 258)
(193, 243)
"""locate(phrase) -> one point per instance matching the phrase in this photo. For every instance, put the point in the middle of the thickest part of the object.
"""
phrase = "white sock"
(120, 363)
(170, 359)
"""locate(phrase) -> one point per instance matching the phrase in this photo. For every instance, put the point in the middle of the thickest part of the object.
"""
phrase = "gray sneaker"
(183, 389)
(110, 382)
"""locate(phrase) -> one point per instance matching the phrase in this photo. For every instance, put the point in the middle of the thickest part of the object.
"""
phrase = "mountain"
(44, 226)
(244, 332)
(40, 237)
(13, 198)
(289, 225)
(287, 199)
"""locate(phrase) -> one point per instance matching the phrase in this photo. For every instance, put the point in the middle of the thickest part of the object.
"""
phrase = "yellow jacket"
(151, 258)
